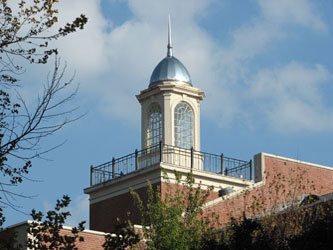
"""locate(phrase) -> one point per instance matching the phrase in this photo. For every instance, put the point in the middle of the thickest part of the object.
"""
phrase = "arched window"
(154, 130)
(183, 125)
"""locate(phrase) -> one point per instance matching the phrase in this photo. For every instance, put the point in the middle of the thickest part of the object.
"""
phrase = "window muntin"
(183, 125)
(154, 130)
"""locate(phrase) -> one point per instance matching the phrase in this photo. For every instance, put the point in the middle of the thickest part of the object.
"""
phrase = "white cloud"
(298, 84)
(79, 209)
(181, 11)
(115, 64)
(290, 97)
(252, 39)
(301, 12)
(85, 49)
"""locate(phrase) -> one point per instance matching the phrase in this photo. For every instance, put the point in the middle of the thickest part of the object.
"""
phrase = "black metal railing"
(175, 156)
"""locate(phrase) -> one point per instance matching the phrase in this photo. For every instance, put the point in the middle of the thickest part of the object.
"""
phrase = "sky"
(264, 65)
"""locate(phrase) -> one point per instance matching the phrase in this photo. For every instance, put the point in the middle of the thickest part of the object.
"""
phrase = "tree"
(279, 217)
(176, 221)
(25, 33)
(22, 132)
(123, 237)
(317, 233)
(264, 233)
(47, 234)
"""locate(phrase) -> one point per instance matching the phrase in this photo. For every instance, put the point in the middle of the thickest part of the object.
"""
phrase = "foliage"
(47, 234)
(263, 233)
(123, 237)
(317, 234)
(26, 30)
(243, 234)
(279, 216)
(280, 207)
(25, 33)
(176, 219)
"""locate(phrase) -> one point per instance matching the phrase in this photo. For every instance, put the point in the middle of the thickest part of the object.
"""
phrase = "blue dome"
(170, 69)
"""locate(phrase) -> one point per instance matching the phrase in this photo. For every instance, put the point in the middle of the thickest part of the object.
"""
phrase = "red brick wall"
(91, 241)
(103, 214)
(169, 188)
(95, 242)
(285, 180)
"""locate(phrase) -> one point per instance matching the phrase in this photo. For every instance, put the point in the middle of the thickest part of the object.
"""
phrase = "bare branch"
(23, 128)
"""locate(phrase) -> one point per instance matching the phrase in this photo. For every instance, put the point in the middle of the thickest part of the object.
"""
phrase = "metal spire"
(169, 54)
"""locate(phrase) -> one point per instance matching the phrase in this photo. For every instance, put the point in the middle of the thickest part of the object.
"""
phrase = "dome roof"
(170, 69)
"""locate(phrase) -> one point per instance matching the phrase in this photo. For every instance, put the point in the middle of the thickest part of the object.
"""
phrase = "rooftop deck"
(173, 156)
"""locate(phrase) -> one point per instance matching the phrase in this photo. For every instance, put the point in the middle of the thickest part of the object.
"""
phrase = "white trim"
(207, 179)
(121, 185)
(234, 194)
(67, 228)
(298, 161)
(87, 231)
(171, 86)
(19, 224)
(141, 171)
(262, 182)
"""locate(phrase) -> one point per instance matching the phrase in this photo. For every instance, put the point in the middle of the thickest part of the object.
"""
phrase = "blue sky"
(265, 66)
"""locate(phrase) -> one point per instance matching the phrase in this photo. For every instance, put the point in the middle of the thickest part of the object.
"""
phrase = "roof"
(170, 69)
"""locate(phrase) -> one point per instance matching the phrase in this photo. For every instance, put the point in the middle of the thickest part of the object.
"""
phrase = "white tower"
(170, 106)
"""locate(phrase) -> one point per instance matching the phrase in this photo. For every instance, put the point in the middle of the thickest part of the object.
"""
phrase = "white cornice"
(170, 87)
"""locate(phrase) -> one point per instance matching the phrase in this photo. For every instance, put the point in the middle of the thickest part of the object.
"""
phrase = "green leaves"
(123, 237)
(173, 218)
(25, 29)
(46, 232)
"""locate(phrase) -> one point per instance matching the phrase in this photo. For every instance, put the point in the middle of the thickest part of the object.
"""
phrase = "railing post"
(113, 168)
(222, 163)
(91, 175)
(160, 151)
(251, 170)
(136, 159)
(192, 159)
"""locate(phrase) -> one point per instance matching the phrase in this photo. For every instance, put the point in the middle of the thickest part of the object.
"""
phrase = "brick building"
(170, 139)
(92, 239)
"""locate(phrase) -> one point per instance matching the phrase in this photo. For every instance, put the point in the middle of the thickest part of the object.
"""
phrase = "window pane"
(183, 119)
(154, 130)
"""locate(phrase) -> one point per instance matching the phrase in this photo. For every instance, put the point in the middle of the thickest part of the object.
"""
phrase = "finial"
(169, 54)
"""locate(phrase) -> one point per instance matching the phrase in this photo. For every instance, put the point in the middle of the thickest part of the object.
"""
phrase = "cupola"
(170, 106)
